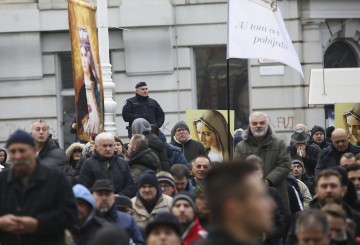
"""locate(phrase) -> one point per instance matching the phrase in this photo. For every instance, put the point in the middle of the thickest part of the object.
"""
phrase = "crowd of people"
(152, 192)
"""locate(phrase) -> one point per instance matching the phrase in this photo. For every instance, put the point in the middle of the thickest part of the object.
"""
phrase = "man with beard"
(353, 174)
(259, 140)
(103, 193)
(199, 167)
(47, 149)
(184, 208)
(105, 164)
(36, 201)
(331, 155)
(329, 189)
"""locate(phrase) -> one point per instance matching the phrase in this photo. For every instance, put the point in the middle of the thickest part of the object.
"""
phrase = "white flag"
(256, 30)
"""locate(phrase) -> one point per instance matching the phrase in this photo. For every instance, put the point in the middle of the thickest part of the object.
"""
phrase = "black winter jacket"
(51, 155)
(114, 168)
(142, 107)
(190, 149)
(330, 157)
(309, 160)
(159, 148)
(142, 161)
(86, 234)
(48, 198)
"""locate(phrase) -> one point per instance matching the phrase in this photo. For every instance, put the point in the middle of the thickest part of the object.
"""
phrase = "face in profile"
(84, 59)
(206, 136)
(354, 128)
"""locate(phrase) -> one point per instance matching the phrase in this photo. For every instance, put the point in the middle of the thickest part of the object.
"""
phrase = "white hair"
(259, 114)
(104, 136)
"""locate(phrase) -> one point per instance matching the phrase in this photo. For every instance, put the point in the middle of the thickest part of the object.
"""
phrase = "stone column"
(108, 84)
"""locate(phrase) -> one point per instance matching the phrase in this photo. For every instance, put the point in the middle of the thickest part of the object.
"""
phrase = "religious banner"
(256, 30)
(210, 127)
(347, 116)
(86, 70)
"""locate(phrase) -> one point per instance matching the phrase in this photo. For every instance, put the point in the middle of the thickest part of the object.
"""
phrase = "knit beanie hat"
(297, 161)
(316, 129)
(140, 125)
(20, 136)
(123, 201)
(166, 179)
(181, 124)
(148, 177)
(167, 219)
(184, 196)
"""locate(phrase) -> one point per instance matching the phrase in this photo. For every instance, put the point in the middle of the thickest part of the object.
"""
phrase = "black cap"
(140, 84)
(316, 129)
(122, 201)
(20, 136)
(166, 219)
(103, 185)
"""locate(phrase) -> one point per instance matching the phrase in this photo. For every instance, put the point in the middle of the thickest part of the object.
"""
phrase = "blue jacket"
(330, 157)
(177, 156)
(85, 234)
(126, 222)
(115, 169)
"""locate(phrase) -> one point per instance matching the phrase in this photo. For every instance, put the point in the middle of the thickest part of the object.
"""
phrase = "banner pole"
(228, 105)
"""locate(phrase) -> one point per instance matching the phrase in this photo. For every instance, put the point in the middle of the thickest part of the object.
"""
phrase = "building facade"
(179, 48)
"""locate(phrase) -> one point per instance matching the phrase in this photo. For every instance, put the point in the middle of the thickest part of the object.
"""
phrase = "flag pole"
(228, 105)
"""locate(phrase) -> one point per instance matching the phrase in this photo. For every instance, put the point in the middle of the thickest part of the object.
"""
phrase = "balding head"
(340, 139)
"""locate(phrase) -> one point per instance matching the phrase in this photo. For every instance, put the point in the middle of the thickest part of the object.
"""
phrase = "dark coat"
(330, 157)
(323, 145)
(48, 198)
(219, 237)
(85, 234)
(51, 155)
(190, 149)
(142, 161)
(126, 222)
(159, 148)
(142, 107)
(309, 160)
(114, 168)
(176, 156)
(273, 152)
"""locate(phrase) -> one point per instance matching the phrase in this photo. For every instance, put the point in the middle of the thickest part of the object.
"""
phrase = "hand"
(74, 125)
(8, 223)
(301, 151)
(26, 225)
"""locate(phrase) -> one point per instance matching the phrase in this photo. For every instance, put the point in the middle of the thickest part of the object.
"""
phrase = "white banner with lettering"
(256, 30)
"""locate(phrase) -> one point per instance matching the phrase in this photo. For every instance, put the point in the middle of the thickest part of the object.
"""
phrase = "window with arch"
(341, 55)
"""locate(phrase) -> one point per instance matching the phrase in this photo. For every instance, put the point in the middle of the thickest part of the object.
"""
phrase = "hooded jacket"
(51, 155)
(116, 169)
(216, 122)
(277, 161)
(4, 165)
(69, 152)
(85, 234)
(142, 161)
(190, 148)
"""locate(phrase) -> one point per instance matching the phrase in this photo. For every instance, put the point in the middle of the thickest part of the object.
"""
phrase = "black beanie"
(317, 129)
(20, 136)
(167, 219)
(184, 196)
(180, 124)
(148, 177)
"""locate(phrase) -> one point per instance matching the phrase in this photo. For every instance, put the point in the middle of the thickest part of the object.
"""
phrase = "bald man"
(331, 155)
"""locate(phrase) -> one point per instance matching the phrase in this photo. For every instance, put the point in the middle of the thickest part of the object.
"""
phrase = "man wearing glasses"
(331, 155)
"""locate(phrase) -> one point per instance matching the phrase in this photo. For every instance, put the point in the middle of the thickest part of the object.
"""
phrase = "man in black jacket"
(180, 137)
(104, 164)
(331, 155)
(48, 150)
(36, 202)
(141, 106)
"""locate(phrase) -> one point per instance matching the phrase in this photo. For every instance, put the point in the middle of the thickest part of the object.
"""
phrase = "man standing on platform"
(141, 106)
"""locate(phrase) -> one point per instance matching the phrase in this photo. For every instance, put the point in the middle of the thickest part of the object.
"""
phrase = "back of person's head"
(140, 126)
(139, 142)
(155, 129)
(180, 171)
(111, 235)
(334, 210)
(312, 219)
(226, 181)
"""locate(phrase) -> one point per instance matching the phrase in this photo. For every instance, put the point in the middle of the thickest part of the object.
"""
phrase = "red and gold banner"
(86, 69)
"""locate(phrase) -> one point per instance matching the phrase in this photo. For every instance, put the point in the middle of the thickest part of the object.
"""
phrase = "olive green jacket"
(277, 161)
